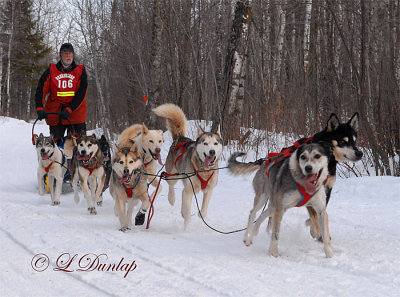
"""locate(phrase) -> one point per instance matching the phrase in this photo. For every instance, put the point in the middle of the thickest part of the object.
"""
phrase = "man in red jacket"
(63, 89)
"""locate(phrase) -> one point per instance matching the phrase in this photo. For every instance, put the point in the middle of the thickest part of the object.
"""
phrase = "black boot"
(140, 217)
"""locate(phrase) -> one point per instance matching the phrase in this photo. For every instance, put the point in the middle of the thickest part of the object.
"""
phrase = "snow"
(364, 220)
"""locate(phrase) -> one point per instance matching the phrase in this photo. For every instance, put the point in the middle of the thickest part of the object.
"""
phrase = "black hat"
(66, 47)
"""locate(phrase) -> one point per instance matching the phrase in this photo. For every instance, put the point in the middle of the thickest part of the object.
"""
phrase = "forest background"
(267, 66)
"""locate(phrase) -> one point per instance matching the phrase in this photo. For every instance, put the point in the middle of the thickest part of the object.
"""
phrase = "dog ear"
(219, 130)
(144, 129)
(103, 138)
(83, 134)
(93, 136)
(200, 130)
(333, 123)
(41, 135)
(354, 121)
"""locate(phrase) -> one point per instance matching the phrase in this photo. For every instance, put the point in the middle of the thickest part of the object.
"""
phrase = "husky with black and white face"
(87, 167)
(186, 155)
(51, 162)
(295, 181)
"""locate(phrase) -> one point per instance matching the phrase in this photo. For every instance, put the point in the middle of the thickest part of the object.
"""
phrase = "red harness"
(129, 190)
(93, 168)
(204, 182)
(48, 167)
(285, 153)
(305, 197)
(183, 149)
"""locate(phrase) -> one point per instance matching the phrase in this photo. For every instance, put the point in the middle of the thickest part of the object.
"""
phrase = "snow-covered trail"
(364, 219)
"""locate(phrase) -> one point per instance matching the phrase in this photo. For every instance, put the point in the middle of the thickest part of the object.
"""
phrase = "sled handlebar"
(33, 127)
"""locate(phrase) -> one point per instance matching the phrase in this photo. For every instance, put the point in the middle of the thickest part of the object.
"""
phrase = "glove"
(63, 115)
(41, 114)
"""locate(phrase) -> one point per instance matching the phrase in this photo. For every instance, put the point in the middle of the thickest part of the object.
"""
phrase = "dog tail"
(176, 119)
(239, 168)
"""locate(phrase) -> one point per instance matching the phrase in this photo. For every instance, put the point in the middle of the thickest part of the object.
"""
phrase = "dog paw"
(328, 252)
(139, 219)
(274, 253)
(55, 203)
(92, 210)
(124, 229)
(248, 242)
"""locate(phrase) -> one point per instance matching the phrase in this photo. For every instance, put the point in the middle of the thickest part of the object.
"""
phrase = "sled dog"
(53, 163)
(87, 167)
(128, 185)
(294, 181)
(186, 155)
(106, 152)
(148, 142)
(342, 140)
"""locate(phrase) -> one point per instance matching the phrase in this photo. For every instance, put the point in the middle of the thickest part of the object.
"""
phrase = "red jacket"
(59, 89)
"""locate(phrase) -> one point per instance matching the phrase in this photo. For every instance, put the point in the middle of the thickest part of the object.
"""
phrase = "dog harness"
(93, 168)
(285, 153)
(62, 162)
(204, 182)
(48, 167)
(183, 149)
(305, 197)
(129, 190)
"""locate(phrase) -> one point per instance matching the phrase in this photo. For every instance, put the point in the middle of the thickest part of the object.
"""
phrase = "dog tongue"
(309, 183)
(159, 159)
(85, 157)
(124, 179)
(207, 161)
(45, 156)
(106, 158)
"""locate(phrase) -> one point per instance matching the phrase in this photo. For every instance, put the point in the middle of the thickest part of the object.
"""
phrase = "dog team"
(301, 175)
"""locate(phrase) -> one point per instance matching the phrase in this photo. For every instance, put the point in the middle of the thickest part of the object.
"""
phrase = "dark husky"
(106, 151)
(342, 139)
(295, 181)
(186, 155)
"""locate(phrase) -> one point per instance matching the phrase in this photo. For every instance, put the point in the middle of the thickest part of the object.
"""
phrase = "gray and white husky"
(51, 162)
(87, 167)
(188, 156)
(295, 181)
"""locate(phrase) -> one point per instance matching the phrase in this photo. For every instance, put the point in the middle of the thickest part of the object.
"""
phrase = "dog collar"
(146, 164)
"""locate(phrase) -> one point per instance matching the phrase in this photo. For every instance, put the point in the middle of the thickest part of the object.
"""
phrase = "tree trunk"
(155, 85)
(10, 40)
